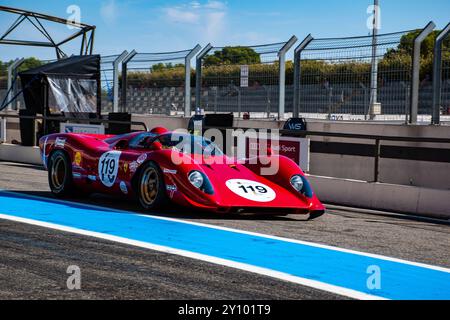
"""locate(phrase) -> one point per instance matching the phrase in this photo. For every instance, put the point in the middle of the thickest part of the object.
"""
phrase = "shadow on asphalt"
(172, 212)
(24, 165)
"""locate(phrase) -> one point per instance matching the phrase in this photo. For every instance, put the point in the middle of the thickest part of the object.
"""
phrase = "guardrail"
(64, 119)
(377, 138)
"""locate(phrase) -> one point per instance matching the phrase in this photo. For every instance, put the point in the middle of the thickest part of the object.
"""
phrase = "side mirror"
(121, 145)
(156, 145)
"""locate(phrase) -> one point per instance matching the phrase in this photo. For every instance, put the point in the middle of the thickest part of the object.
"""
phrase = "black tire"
(150, 187)
(60, 177)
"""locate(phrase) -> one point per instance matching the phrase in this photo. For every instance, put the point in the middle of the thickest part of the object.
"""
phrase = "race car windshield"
(190, 144)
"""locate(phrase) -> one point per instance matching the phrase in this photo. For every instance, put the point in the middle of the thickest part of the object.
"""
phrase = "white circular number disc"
(251, 190)
(108, 167)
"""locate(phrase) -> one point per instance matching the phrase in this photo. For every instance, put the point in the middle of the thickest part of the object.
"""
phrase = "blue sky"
(156, 26)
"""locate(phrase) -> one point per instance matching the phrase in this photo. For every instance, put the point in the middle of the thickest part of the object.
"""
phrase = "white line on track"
(267, 272)
(218, 261)
(311, 244)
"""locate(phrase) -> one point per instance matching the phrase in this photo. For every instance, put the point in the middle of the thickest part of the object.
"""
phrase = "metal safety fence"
(445, 80)
(157, 83)
(336, 75)
(242, 79)
(441, 76)
(107, 74)
(395, 76)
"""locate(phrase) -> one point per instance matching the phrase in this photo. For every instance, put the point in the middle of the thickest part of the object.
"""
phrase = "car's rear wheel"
(60, 174)
(151, 187)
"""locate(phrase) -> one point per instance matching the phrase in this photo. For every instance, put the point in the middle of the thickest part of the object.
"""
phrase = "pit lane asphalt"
(33, 260)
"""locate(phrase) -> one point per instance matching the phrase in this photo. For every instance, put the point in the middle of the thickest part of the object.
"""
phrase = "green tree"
(233, 56)
(407, 44)
(28, 63)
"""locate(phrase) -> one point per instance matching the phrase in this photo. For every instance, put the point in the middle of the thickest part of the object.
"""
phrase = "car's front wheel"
(60, 174)
(151, 187)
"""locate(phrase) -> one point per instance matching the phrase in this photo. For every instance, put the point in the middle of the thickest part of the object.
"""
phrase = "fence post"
(414, 106)
(116, 80)
(297, 73)
(123, 101)
(282, 75)
(187, 81)
(198, 75)
(437, 75)
(12, 76)
(373, 104)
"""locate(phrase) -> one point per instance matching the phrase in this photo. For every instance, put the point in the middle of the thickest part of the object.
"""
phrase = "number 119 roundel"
(160, 167)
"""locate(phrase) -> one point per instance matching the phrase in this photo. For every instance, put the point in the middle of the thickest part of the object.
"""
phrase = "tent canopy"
(67, 85)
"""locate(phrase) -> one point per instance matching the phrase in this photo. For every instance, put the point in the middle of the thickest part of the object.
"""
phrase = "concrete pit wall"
(327, 160)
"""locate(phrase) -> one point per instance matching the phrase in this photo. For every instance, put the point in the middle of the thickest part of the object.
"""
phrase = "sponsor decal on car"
(92, 178)
(76, 175)
(168, 171)
(125, 167)
(141, 158)
(133, 166)
(172, 189)
(251, 190)
(78, 158)
(60, 142)
(123, 187)
(108, 167)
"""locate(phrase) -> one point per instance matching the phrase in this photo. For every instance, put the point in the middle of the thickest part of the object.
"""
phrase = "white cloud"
(216, 5)
(179, 15)
(109, 11)
(209, 18)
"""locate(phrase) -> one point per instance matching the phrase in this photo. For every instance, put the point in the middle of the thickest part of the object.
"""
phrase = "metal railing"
(441, 75)
(75, 120)
(384, 77)
(243, 79)
(158, 83)
(109, 79)
(334, 75)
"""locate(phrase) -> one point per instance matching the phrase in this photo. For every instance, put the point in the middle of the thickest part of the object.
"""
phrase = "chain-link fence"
(241, 79)
(107, 81)
(335, 75)
(156, 83)
(3, 88)
(445, 93)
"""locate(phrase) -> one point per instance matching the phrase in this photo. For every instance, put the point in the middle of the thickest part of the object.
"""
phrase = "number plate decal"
(251, 190)
(108, 167)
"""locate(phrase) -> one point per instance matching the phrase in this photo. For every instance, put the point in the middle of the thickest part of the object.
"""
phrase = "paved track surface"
(33, 260)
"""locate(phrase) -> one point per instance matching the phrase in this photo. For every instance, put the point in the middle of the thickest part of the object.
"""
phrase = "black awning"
(35, 83)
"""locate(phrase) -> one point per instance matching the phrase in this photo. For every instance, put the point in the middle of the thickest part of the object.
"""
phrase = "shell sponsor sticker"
(78, 158)
(251, 190)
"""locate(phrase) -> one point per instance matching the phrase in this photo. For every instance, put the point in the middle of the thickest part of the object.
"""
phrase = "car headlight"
(297, 183)
(196, 178)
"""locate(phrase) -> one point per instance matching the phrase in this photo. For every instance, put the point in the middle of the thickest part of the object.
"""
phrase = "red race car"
(159, 167)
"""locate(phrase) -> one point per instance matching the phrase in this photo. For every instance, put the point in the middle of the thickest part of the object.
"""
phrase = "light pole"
(374, 105)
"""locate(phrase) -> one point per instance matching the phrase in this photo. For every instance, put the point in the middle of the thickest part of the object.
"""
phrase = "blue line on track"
(343, 269)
